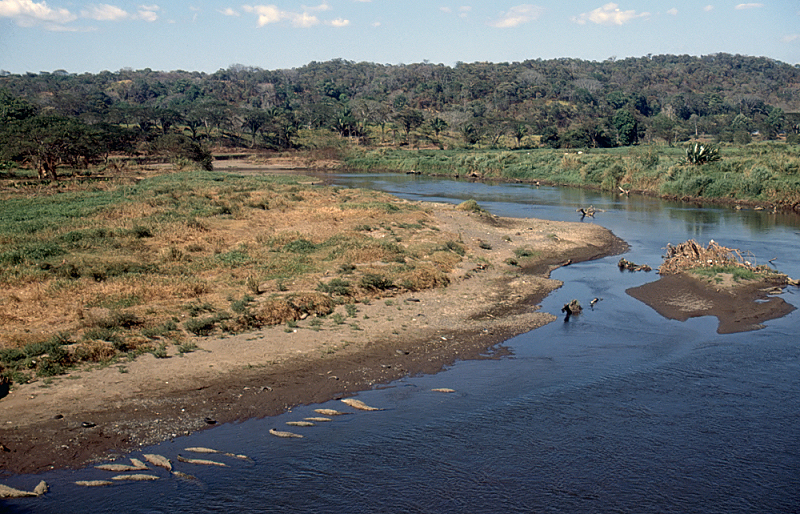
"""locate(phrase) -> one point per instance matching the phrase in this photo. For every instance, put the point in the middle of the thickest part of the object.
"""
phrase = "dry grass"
(178, 251)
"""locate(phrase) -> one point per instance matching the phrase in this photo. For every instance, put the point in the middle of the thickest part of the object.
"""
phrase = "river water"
(617, 410)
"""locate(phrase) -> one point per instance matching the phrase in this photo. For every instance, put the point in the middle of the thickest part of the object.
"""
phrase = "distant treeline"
(561, 103)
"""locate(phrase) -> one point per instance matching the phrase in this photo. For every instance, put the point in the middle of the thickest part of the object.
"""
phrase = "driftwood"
(625, 264)
(573, 307)
(691, 255)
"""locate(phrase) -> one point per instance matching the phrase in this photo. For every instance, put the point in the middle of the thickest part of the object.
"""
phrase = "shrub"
(523, 253)
(336, 286)
(203, 326)
(376, 282)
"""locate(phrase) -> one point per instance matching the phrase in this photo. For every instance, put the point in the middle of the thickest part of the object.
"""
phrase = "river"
(617, 410)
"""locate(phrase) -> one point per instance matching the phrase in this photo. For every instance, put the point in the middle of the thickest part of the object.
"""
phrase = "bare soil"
(739, 306)
(98, 413)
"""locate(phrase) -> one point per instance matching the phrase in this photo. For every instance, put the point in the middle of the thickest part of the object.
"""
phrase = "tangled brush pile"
(690, 255)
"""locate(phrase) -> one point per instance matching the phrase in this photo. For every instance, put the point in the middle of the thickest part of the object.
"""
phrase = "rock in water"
(329, 412)
(281, 433)
(443, 390)
(184, 476)
(158, 460)
(10, 492)
(237, 456)
(300, 423)
(321, 420)
(140, 466)
(93, 483)
(41, 488)
(200, 449)
(202, 461)
(358, 404)
(135, 478)
(121, 467)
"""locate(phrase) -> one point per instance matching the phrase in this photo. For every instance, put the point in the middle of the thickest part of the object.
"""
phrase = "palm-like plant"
(698, 154)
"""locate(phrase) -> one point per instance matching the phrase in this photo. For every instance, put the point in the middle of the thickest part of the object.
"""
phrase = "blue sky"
(206, 35)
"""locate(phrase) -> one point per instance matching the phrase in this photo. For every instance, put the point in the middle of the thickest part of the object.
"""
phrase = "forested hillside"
(567, 103)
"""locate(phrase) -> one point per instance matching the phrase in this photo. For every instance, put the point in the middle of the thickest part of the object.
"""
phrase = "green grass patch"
(738, 272)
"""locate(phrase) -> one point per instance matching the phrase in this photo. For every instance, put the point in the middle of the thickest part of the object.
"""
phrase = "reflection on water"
(617, 410)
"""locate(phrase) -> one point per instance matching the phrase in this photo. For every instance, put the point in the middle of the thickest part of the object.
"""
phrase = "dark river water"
(618, 410)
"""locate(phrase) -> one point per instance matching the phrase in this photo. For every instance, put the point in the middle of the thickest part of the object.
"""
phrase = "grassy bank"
(759, 173)
(100, 271)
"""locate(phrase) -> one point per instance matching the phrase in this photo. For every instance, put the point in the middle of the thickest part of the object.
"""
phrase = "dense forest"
(57, 118)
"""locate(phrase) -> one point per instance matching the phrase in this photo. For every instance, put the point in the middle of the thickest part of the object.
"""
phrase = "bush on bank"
(765, 173)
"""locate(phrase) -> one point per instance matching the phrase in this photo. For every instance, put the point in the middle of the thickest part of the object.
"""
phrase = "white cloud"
(105, 12)
(445, 9)
(708, 8)
(609, 14)
(28, 13)
(321, 7)
(790, 38)
(303, 20)
(339, 22)
(268, 14)
(517, 16)
(148, 12)
(229, 12)
(741, 7)
(376, 24)
(464, 11)
(673, 11)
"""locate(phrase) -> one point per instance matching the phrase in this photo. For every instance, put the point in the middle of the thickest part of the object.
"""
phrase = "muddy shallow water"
(618, 409)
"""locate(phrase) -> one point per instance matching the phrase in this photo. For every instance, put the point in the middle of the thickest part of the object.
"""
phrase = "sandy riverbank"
(95, 414)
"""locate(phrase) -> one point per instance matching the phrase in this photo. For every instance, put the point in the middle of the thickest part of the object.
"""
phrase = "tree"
(664, 128)
(470, 134)
(519, 131)
(625, 124)
(253, 121)
(409, 119)
(437, 125)
(14, 109)
(49, 141)
(180, 146)
(774, 123)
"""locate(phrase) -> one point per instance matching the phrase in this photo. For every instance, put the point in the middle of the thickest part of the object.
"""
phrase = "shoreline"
(94, 415)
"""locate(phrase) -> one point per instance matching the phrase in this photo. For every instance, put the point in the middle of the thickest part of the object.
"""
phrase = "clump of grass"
(470, 206)
(204, 326)
(337, 318)
(161, 330)
(336, 286)
(347, 268)
(456, 247)
(376, 282)
(351, 310)
(186, 348)
(303, 246)
(242, 306)
(525, 253)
